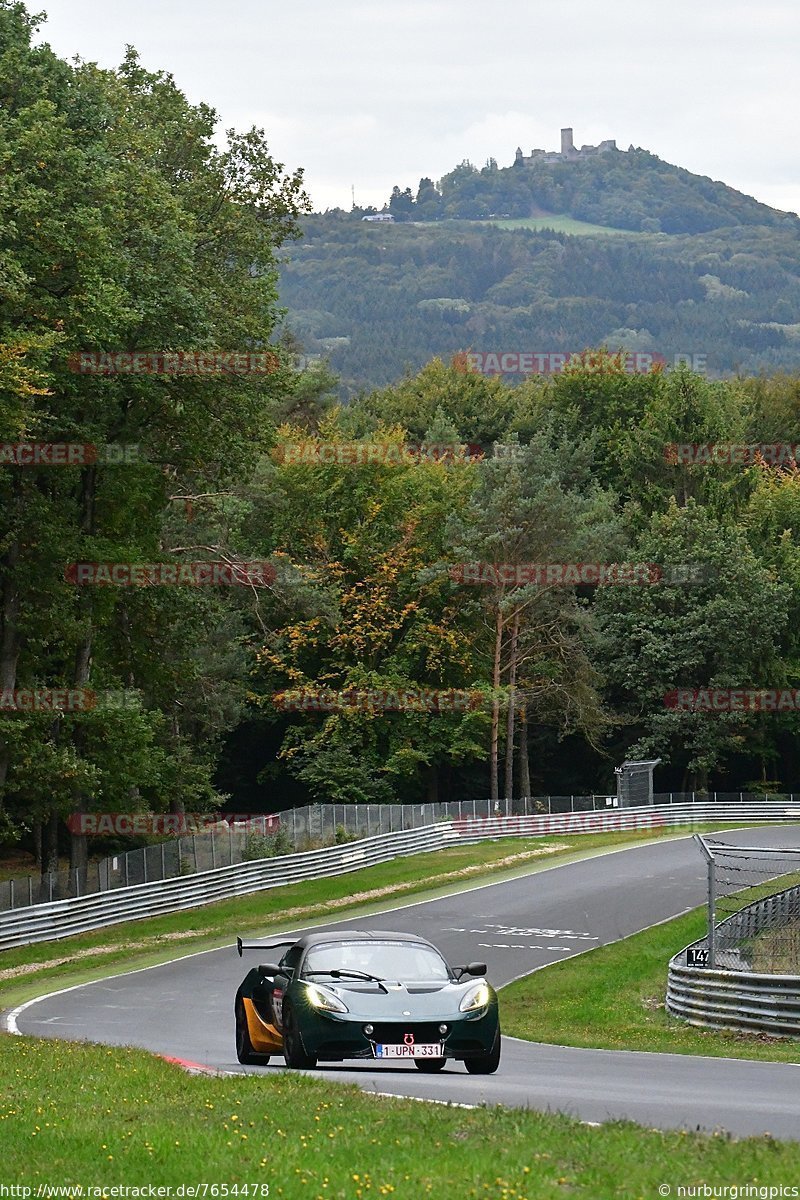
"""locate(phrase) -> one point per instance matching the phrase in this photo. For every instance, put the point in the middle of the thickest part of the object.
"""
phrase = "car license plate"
(415, 1050)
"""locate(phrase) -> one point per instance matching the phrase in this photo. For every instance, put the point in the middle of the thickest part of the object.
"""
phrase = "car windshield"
(386, 960)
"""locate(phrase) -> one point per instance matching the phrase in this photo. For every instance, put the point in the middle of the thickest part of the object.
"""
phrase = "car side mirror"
(269, 968)
(473, 968)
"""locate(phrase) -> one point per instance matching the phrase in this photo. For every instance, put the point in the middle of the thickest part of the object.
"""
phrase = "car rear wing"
(241, 946)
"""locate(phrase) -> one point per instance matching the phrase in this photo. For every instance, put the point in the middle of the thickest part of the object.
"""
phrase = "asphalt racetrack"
(184, 1008)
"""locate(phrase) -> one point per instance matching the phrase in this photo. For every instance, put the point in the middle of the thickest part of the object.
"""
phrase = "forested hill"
(377, 299)
(631, 189)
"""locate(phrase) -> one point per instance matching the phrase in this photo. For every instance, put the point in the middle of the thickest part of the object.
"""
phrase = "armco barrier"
(725, 998)
(307, 828)
(49, 922)
(735, 1000)
(621, 819)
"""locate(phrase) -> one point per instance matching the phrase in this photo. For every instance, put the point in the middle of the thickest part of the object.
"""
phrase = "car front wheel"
(485, 1064)
(429, 1065)
(293, 1050)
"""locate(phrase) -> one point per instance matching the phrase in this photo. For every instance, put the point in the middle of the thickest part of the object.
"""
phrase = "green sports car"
(379, 996)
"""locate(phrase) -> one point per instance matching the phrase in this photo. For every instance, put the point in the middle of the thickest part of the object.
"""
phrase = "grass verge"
(25, 970)
(559, 223)
(613, 998)
(123, 1118)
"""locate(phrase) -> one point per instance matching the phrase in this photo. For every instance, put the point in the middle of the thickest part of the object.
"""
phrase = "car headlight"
(475, 997)
(324, 999)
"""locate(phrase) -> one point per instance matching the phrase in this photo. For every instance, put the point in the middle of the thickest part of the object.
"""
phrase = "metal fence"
(745, 973)
(49, 922)
(763, 1001)
(46, 922)
(319, 825)
(753, 906)
(169, 859)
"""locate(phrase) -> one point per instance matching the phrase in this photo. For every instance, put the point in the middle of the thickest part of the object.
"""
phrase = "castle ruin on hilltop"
(569, 151)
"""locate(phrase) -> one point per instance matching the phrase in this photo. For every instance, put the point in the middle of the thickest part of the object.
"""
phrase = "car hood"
(415, 1001)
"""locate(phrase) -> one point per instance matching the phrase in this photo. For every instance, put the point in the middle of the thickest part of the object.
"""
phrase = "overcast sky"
(369, 94)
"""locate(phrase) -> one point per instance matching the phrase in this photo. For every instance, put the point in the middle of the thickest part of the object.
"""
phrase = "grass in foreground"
(613, 998)
(79, 1114)
(23, 971)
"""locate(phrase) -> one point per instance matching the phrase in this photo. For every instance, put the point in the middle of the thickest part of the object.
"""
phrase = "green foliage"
(125, 228)
(626, 190)
(123, 225)
(341, 837)
(381, 301)
(269, 845)
(723, 631)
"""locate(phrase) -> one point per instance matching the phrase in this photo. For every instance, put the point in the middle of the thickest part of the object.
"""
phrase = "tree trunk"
(494, 781)
(79, 853)
(512, 705)
(50, 857)
(432, 788)
(523, 766)
(176, 803)
(9, 644)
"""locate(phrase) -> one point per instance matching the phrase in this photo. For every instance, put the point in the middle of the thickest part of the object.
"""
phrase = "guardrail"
(312, 827)
(741, 999)
(50, 922)
(735, 1000)
(621, 819)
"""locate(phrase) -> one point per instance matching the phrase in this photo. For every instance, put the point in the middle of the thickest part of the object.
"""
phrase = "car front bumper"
(335, 1036)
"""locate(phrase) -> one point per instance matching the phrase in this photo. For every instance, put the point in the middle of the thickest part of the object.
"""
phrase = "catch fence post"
(712, 902)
